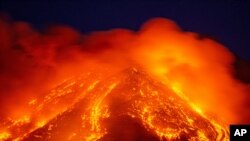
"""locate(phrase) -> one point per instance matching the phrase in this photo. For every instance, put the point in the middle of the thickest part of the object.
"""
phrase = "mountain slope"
(130, 105)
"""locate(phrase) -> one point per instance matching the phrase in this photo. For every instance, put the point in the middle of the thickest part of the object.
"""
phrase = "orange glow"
(5, 135)
(159, 82)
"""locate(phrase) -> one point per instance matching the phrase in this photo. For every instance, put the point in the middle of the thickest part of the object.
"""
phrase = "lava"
(131, 95)
(158, 83)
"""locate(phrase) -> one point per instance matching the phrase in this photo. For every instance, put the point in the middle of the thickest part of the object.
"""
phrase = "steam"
(33, 62)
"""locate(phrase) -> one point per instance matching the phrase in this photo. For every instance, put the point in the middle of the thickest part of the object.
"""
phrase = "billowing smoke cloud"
(200, 70)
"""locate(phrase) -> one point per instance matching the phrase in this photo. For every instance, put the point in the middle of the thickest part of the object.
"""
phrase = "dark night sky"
(228, 21)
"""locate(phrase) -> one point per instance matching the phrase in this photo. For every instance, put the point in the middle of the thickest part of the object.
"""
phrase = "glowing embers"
(125, 107)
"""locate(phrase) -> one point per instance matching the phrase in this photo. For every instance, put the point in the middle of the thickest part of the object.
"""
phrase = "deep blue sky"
(228, 21)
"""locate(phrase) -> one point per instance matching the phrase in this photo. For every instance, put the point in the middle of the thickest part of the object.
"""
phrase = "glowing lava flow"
(127, 106)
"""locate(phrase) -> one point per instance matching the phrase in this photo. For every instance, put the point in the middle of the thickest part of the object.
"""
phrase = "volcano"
(127, 106)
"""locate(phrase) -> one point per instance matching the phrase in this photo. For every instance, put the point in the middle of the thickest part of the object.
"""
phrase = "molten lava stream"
(130, 105)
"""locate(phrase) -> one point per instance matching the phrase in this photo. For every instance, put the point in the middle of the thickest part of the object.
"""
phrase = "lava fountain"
(158, 83)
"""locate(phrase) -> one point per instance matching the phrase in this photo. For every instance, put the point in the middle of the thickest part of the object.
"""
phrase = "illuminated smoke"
(198, 70)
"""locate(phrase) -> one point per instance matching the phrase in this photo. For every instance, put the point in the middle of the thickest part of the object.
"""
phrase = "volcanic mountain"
(128, 106)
